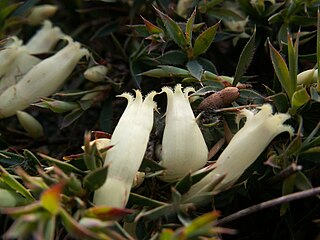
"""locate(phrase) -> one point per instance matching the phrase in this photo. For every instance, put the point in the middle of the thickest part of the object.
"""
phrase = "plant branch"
(267, 204)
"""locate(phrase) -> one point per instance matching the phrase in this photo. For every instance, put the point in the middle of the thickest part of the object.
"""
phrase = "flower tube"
(42, 80)
(183, 147)
(45, 39)
(129, 141)
(244, 148)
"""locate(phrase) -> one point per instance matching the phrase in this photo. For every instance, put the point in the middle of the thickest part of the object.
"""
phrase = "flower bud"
(40, 13)
(42, 80)
(30, 124)
(45, 39)
(96, 73)
(183, 147)
(129, 141)
(307, 77)
(244, 148)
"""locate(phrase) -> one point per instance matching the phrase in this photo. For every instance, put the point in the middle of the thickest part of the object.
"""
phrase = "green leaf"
(135, 69)
(281, 102)
(195, 69)
(302, 182)
(293, 60)
(10, 159)
(299, 98)
(204, 40)
(287, 188)
(106, 213)
(15, 185)
(149, 165)
(201, 225)
(157, 212)
(250, 96)
(245, 59)
(167, 71)
(61, 164)
(173, 57)
(144, 201)
(71, 117)
(282, 71)
(96, 178)
(173, 30)
(152, 29)
(184, 184)
(50, 198)
(189, 28)
(29, 155)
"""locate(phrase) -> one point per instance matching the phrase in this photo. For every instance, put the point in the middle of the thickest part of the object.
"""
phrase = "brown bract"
(220, 99)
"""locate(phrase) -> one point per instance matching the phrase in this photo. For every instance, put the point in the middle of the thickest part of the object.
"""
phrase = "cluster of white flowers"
(183, 147)
(25, 78)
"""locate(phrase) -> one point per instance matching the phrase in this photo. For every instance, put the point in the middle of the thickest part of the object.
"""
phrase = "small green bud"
(30, 124)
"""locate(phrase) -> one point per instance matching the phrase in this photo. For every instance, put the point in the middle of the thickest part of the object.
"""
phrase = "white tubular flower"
(96, 73)
(42, 80)
(30, 124)
(183, 147)
(129, 141)
(45, 39)
(40, 13)
(244, 148)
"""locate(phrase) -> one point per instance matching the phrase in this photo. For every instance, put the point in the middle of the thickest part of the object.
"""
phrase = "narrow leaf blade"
(245, 59)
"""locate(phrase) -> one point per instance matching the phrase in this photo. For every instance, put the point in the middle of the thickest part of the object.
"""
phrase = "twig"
(267, 204)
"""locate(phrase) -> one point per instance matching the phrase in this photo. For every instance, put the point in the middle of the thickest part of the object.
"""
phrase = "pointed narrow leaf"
(184, 184)
(173, 29)
(293, 60)
(195, 69)
(63, 165)
(50, 198)
(107, 213)
(14, 184)
(204, 40)
(152, 29)
(281, 70)
(167, 71)
(204, 223)
(144, 201)
(245, 59)
(96, 178)
(189, 28)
